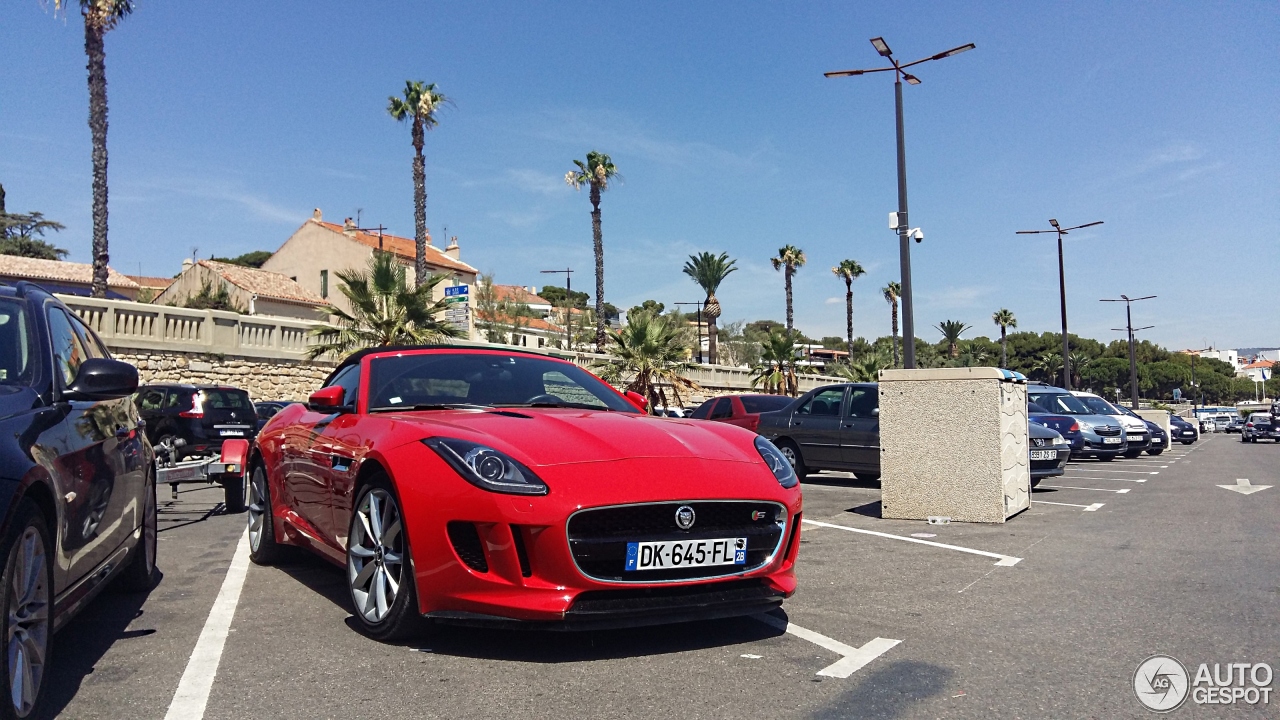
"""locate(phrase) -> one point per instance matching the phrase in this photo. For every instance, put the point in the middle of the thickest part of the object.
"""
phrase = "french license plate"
(1044, 454)
(231, 433)
(1111, 441)
(1188, 432)
(686, 553)
(1135, 438)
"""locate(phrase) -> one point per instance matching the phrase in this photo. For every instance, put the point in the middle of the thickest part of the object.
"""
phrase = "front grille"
(598, 537)
(640, 601)
(466, 543)
(1107, 430)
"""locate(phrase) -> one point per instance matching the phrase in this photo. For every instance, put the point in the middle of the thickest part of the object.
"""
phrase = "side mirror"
(638, 400)
(330, 398)
(102, 379)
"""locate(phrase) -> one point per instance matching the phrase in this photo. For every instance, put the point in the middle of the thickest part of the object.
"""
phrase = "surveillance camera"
(918, 234)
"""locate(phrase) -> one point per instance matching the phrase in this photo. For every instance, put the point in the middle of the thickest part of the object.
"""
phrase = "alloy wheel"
(789, 454)
(375, 555)
(258, 508)
(28, 626)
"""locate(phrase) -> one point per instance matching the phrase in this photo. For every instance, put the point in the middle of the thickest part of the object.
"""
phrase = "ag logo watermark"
(1163, 684)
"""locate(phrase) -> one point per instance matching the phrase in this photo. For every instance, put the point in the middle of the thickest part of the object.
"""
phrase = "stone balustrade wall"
(268, 355)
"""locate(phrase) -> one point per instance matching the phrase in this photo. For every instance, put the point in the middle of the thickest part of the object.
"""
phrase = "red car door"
(740, 416)
(309, 458)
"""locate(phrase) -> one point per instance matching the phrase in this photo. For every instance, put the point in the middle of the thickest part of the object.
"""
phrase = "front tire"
(26, 587)
(233, 495)
(139, 574)
(791, 452)
(380, 576)
(1156, 451)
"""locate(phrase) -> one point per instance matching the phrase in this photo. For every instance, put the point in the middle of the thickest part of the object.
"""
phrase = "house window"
(324, 283)
(542, 342)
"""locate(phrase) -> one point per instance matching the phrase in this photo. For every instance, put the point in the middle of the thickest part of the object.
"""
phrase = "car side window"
(349, 380)
(91, 342)
(863, 402)
(703, 410)
(68, 351)
(151, 400)
(826, 403)
(178, 400)
(723, 409)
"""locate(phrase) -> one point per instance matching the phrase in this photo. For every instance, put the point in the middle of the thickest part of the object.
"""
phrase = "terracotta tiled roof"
(517, 294)
(1259, 364)
(59, 271)
(403, 247)
(530, 323)
(155, 283)
(264, 283)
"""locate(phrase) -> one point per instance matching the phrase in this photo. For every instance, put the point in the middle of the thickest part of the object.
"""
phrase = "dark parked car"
(1048, 454)
(741, 410)
(1064, 425)
(1158, 439)
(835, 427)
(202, 415)
(1182, 431)
(1104, 436)
(264, 410)
(1260, 426)
(77, 483)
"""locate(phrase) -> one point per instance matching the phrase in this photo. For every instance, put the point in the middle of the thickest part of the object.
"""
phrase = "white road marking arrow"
(1243, 487)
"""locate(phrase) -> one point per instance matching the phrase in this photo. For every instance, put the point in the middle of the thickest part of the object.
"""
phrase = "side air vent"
(466, 543)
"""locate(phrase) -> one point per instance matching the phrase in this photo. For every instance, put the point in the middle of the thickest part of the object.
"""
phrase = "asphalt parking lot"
(1048, 615)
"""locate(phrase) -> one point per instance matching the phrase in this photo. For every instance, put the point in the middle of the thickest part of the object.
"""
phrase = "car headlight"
(777, 463)
(487, 468)
(1086, 427)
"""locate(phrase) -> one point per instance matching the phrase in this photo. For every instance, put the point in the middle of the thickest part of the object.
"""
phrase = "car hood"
(1096, 420)
(1129, 422)
(557, 436)
(1036, 430)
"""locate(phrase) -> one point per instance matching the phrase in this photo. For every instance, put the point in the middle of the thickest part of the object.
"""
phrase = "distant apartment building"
(317, 251)
(249, 290)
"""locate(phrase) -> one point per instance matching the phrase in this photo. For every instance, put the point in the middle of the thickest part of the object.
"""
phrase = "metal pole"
(1066, 343)
(904, 241)
(568, 311)
(1133, 358)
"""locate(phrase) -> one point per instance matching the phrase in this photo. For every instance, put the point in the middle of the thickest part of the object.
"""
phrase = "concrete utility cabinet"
(953, 443)
(1161, 418)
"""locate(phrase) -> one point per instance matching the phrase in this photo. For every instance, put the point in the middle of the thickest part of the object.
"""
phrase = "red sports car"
(498, 487)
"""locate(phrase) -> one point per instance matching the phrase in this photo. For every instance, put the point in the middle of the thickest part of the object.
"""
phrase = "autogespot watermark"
(1163, 684)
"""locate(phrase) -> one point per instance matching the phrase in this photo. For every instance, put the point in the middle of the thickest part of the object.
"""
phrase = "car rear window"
(764, 403)
(226, 400)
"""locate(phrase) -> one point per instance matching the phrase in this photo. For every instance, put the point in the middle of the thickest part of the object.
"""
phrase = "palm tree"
(1050, 365)
(100, 16)
(596, 173)
(384, 311)
(864, 368)
(1004, 319)
(790, 258)
(951, 331)
(649, 352)
(709, 271)
(776, 370)
(419, 106)
(1079, 361)
(849, 270)
(892, 292)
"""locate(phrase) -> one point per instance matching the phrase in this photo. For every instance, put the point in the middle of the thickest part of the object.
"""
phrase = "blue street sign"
(457, 290)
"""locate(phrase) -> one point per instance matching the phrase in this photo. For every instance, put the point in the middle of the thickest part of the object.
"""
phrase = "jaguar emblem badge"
(685, 517)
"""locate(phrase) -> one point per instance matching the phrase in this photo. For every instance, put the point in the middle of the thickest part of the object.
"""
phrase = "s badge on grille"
(758, 515)
(685, 517)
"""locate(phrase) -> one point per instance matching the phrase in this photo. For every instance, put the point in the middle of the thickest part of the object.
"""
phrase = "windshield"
(437, 380)
(16, 352)
(1099, 406)
(1060, 403)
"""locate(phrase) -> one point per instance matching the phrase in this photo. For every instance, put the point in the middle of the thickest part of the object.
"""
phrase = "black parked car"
(1182, 431)
(836, 427)
(77, 483)
(1049, 452)
(264, 410)
(201, 415)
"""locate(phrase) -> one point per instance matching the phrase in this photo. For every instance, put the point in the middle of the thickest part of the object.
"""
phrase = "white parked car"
(1135, 430)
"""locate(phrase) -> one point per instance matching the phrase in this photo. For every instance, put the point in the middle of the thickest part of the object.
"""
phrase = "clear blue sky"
(230, 121)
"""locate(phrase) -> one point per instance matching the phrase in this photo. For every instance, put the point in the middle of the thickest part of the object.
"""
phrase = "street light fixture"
(1133, 358)
(568, 305)
(904, 245)
(1062, 291)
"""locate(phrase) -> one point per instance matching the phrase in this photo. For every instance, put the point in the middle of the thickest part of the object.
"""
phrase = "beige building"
(250, 291)
(318, 250)
(68, 278)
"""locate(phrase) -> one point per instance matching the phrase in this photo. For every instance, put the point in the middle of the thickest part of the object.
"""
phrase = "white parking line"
(197, 680)
(1095, 477)
(1128, 472)
(1087, 508)
(1071, 487)
(852, 660)
(1003, 560)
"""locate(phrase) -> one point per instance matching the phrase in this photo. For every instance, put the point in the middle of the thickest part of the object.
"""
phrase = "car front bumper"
(1051, 468)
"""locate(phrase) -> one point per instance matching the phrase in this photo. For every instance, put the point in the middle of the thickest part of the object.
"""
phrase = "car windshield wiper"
(579, 406)
(430, 406)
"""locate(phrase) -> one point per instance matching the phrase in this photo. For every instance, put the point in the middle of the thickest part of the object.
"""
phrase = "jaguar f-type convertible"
(501, 487)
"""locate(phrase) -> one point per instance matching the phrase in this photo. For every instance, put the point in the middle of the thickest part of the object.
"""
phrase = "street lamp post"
(903, 227)
(1062, 291)
(1133, 358)
(568, 305)
(699, 326)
